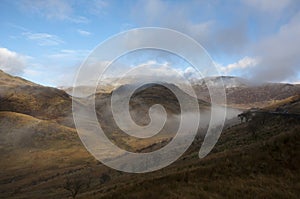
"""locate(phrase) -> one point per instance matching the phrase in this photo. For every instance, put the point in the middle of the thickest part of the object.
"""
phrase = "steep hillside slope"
(242, 165)
(34, 150)
(9, 80)
(21, 96)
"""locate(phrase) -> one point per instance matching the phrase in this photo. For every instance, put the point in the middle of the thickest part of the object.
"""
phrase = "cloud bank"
(12, 62)
(279, 53)
(260, 35)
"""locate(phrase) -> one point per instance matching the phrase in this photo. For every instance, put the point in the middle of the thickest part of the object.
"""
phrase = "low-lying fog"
(206, 118)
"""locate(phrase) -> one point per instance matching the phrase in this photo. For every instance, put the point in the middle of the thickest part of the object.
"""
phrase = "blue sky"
(46, 41)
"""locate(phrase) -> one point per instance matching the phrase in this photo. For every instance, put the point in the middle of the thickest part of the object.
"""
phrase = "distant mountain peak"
(227, 81)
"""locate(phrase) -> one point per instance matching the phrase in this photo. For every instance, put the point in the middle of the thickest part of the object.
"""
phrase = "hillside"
(265, 165)
(139, 105)
(21, 96)
(243, 94)
(288, 105)
(42, 156)
(9, 80)
(39, 145)
(242, 165)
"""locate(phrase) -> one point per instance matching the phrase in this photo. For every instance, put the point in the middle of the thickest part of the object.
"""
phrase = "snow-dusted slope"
(227, 81)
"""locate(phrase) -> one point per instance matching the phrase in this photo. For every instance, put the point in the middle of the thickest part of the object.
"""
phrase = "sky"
(46, 41)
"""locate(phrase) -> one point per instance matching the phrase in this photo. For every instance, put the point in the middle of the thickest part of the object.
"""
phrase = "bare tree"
(73, 186)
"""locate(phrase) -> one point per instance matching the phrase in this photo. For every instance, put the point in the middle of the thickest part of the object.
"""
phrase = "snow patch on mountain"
(226, 81)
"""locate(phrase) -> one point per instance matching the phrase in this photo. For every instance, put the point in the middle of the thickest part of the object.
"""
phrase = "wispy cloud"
(84, 32)
(70, 54)
(268, 5)
(43, 39)
(97, 7)
(53, 9)
(17, 27)
(78, 19)
(63, 10)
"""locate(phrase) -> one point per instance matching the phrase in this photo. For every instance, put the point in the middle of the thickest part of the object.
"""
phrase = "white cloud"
(162, 71)
(12, 62)
(150, 69)
(43, 39)
(242, 64)
(191, 73)
(83, 32)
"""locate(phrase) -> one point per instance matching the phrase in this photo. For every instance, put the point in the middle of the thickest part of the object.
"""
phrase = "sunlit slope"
(288, 105)
(9, 80)
(242, 165)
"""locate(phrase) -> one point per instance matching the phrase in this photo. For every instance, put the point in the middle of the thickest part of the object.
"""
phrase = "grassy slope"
(37, 155)
(290, 104)
(34, 151)
(241, 166)
(9, 80)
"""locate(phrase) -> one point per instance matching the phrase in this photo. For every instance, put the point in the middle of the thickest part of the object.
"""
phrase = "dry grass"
(38, 153)
(241, 166)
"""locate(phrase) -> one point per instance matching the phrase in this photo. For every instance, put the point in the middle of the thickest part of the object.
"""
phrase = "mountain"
(226, 81)
(140, 103)
(241, 93)
(42, 156)
(39, 144)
